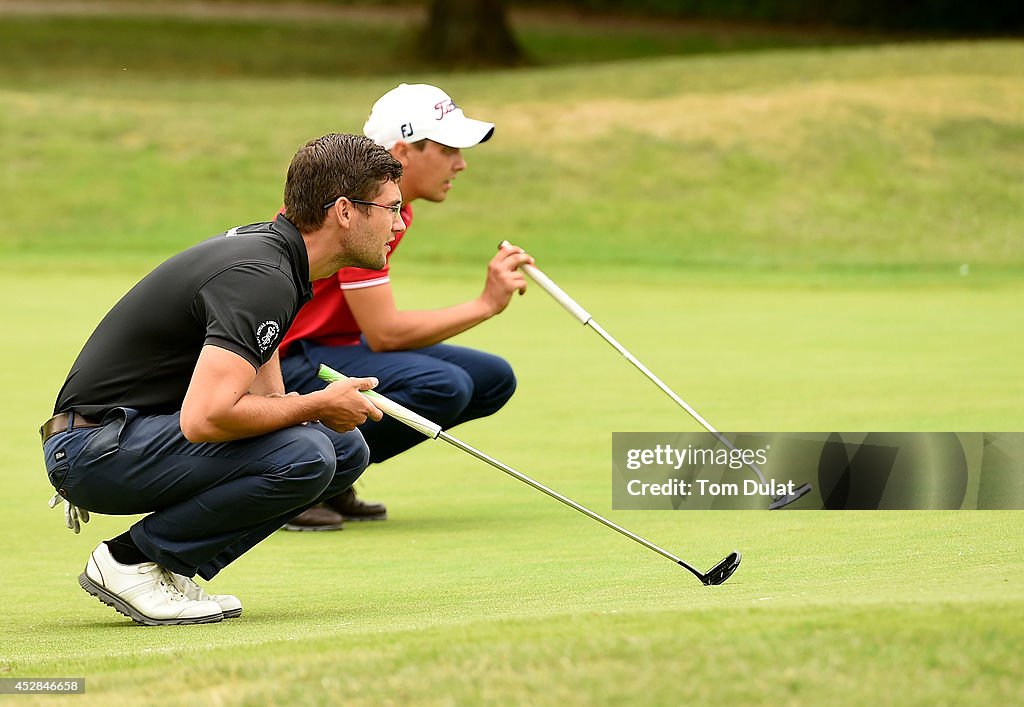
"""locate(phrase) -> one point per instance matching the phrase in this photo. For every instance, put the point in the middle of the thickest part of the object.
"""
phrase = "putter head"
(723, 570)
(783, 501)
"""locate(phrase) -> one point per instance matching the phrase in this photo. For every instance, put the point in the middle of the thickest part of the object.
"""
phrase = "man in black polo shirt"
(176, 407)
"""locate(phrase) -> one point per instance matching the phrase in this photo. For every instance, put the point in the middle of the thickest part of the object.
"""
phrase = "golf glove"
(73, 515)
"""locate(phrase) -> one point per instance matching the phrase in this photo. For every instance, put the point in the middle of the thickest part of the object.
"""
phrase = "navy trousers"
(446, 384)
(208, 503)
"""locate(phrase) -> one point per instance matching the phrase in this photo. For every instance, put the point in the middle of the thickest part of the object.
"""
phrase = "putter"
(573, 307)
(716, 575)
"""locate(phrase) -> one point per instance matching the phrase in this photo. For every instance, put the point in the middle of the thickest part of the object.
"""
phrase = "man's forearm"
(418, 328)
(254, 415)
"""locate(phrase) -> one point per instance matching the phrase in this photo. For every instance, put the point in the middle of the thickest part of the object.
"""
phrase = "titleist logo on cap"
(443, 108)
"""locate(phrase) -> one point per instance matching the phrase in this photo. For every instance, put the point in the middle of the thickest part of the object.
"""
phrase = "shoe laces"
(188, 587)
(170, 588)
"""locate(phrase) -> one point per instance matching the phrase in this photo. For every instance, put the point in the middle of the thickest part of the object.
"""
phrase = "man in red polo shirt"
(353, 325)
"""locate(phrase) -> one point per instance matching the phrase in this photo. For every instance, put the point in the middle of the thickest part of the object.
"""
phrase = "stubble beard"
(369, 253)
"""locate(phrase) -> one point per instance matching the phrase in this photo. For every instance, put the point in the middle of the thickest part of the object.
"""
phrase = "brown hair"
(332, 166)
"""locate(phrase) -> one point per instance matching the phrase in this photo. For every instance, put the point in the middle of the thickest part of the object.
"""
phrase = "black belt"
(62, 422)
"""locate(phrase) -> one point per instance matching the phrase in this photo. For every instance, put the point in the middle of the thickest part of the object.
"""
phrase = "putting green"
(479, 588)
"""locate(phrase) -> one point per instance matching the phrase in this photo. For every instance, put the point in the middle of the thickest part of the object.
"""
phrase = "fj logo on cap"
(406, 129)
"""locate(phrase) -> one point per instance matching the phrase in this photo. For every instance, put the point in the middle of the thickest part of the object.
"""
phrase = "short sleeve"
(356, 278)
(246, 309)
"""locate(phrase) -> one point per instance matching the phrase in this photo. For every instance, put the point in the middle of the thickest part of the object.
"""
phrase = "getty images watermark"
(836, 470)
(667, 456)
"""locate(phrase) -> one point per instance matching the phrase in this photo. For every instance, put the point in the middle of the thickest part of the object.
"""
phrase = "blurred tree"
(469, 33)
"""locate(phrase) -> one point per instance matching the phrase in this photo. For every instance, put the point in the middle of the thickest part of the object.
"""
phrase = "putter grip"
(556, 292)
(388, 407)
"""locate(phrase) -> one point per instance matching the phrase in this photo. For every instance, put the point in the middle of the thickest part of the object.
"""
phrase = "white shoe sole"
(123, 607)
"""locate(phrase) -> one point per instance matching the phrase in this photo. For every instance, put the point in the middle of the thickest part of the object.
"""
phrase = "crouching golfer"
(175, 406)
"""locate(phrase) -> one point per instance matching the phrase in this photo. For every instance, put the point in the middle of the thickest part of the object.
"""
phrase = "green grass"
(779, 235)
(879, 160)
(479, 589)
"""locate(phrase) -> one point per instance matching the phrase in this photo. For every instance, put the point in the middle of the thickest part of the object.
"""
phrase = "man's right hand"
(504, 278)
(344, 408)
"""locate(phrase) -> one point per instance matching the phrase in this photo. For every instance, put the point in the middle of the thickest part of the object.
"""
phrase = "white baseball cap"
(419, 111)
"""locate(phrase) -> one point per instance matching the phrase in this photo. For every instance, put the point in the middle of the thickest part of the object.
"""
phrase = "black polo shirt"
(239, 291)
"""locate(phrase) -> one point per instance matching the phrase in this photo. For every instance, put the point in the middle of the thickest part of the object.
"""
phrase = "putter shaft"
(716, 575)
(584, 317)
(567, 501)
(669, 392)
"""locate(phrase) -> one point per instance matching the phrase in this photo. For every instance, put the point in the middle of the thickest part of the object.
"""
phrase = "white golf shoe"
(145, 593)
(228, 603)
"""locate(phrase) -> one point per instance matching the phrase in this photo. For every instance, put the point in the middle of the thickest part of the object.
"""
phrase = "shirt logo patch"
(267, 334)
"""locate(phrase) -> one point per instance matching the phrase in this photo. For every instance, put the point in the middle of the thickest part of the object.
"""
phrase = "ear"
(341, 212)
(400, 151)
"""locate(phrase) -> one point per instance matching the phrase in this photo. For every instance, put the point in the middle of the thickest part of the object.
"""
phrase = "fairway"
(793, 239)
